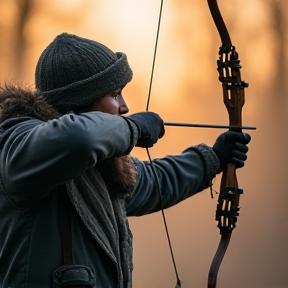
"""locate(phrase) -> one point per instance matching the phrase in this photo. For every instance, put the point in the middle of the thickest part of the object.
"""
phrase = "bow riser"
(234, 99)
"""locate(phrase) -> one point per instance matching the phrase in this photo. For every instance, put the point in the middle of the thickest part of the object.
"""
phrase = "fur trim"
(119, 175)
(16, 102)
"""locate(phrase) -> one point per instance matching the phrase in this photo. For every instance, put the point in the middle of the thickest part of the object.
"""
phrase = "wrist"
(134, 135)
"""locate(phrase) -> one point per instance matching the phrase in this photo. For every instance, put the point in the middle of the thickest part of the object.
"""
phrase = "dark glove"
(230, 147)
(150, 127)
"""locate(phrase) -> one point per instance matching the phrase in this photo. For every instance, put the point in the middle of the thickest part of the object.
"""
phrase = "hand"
(230, 147)
(150, 127)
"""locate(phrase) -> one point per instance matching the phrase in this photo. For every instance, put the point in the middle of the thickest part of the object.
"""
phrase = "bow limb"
(233, 96)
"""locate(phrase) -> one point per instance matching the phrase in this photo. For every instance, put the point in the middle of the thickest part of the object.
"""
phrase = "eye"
(117, 94)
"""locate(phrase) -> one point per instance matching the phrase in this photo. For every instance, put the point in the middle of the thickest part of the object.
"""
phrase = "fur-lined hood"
(17, 102)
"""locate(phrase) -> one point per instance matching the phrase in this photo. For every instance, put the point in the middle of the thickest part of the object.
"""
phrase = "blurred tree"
(278, 10)
(22, 23)
(25, 8)
(14, 16)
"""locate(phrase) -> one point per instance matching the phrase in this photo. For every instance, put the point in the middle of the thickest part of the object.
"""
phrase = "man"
(68, 182)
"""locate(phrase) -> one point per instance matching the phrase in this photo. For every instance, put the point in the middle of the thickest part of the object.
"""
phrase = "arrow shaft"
(208, 126)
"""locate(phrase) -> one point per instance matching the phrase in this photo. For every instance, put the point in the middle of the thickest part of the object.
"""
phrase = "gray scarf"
(102, 213)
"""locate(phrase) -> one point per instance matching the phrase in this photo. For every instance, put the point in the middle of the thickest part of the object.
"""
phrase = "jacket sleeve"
(37, 156)
(178, 177)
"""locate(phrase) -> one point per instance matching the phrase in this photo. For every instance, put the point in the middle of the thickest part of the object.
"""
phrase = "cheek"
(107, 106)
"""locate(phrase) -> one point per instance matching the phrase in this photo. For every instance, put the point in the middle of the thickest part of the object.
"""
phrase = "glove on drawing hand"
(150, 127)
(230, 147)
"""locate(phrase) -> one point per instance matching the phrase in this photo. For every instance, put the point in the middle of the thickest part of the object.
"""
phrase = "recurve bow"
(228, 66)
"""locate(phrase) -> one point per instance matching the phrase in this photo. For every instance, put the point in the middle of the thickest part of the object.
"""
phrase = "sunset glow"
(186, 89)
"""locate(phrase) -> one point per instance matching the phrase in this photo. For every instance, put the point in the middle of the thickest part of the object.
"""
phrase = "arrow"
(209, 126)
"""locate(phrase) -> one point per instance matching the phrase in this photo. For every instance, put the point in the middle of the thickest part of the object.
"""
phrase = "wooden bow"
(233, 95)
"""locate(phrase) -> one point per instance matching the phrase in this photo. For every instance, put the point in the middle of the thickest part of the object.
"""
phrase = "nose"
(123, 108)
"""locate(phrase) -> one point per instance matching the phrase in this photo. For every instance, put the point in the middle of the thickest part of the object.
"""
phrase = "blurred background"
(186, 89)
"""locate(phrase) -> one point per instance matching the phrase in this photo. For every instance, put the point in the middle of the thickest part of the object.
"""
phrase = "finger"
(162, 132)
(239, 155)
(144, 145)
(246, 138)
(233, 136)
(241, 147)
(148, 143)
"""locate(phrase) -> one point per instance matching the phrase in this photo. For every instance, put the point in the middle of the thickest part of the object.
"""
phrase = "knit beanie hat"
(74, 72)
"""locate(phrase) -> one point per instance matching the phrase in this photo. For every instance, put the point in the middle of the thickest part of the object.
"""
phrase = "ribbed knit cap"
(74, 72)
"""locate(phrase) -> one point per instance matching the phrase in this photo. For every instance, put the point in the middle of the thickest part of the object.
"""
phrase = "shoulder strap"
(67, 239)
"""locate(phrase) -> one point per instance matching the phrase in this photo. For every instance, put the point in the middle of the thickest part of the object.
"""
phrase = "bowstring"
(178, 283)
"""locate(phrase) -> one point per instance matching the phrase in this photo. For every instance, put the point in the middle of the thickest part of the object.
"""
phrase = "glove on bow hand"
(150, 127)
(230, 147)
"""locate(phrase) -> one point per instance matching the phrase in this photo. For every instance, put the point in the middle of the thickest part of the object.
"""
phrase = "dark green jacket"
(37, 158)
